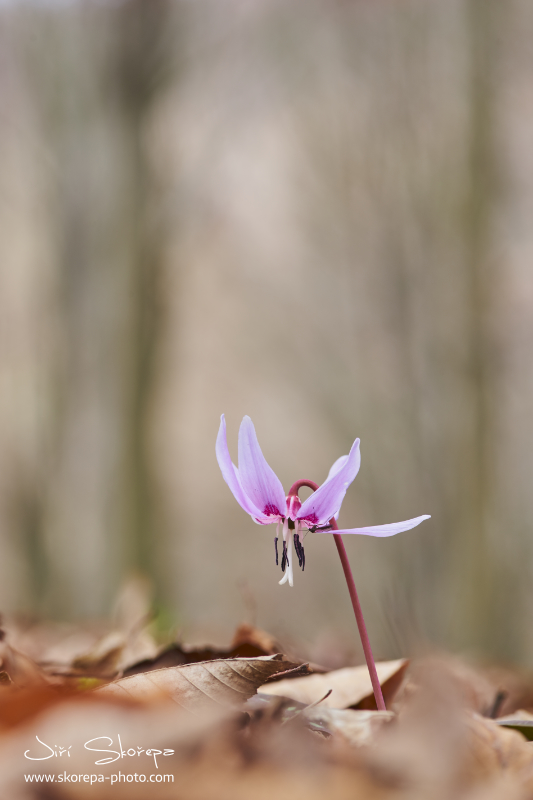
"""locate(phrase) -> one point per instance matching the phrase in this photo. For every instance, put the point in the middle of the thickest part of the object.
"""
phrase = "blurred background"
(316, 213)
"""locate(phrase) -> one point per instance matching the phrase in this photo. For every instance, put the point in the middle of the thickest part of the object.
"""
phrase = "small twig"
(317, 702)
(306, 708)
(499, 699)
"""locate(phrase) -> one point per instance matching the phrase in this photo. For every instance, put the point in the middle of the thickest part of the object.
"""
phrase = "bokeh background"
(315, 212)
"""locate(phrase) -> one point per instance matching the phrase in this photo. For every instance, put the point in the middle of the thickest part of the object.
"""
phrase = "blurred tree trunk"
(97, 71)
(145, 48)
(481, 595)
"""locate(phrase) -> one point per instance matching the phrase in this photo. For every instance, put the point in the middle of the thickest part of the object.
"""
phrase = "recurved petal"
(229, 472)
(384, 530)
(257, 478)
(326, 501)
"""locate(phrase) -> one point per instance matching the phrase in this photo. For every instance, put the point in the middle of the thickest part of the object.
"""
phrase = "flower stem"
(358, 611)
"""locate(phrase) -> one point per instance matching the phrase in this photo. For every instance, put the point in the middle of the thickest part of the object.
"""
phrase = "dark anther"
(276, 546)
(298, 548)
(284, 557)
(299, 551)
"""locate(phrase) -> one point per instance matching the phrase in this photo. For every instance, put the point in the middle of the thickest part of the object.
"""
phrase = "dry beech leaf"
(223, 682)
(349, 686)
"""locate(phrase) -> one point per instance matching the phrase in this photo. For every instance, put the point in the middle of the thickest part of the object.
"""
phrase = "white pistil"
(286, 546)
(287, 537)
(289, 559)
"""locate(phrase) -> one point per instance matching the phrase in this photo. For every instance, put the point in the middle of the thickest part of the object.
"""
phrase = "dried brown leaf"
(349, 686)
(223, 682)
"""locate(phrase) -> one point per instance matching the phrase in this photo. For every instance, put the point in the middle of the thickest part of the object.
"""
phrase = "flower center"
(286, 556)
(293, 505)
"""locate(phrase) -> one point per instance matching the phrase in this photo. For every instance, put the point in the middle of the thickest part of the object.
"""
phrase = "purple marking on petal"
(270, 510)
(326, 501)
(257, 478)
(384, 530)
(229, 473)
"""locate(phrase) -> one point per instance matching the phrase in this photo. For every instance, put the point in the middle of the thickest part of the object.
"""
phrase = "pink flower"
(259, 492)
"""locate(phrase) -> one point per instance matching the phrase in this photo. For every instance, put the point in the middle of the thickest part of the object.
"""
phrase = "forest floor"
(86, 712)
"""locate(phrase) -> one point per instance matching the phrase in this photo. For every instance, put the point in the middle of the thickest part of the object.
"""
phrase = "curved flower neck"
(295, 488)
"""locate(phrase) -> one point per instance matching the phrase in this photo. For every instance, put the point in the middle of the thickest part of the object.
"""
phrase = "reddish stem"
(363, 633)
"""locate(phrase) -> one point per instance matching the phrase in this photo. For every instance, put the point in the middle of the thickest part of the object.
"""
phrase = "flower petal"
(326, 501)
(229, 472)
(385, 530)
(339, 463)
(258, 480)
(261, 520)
